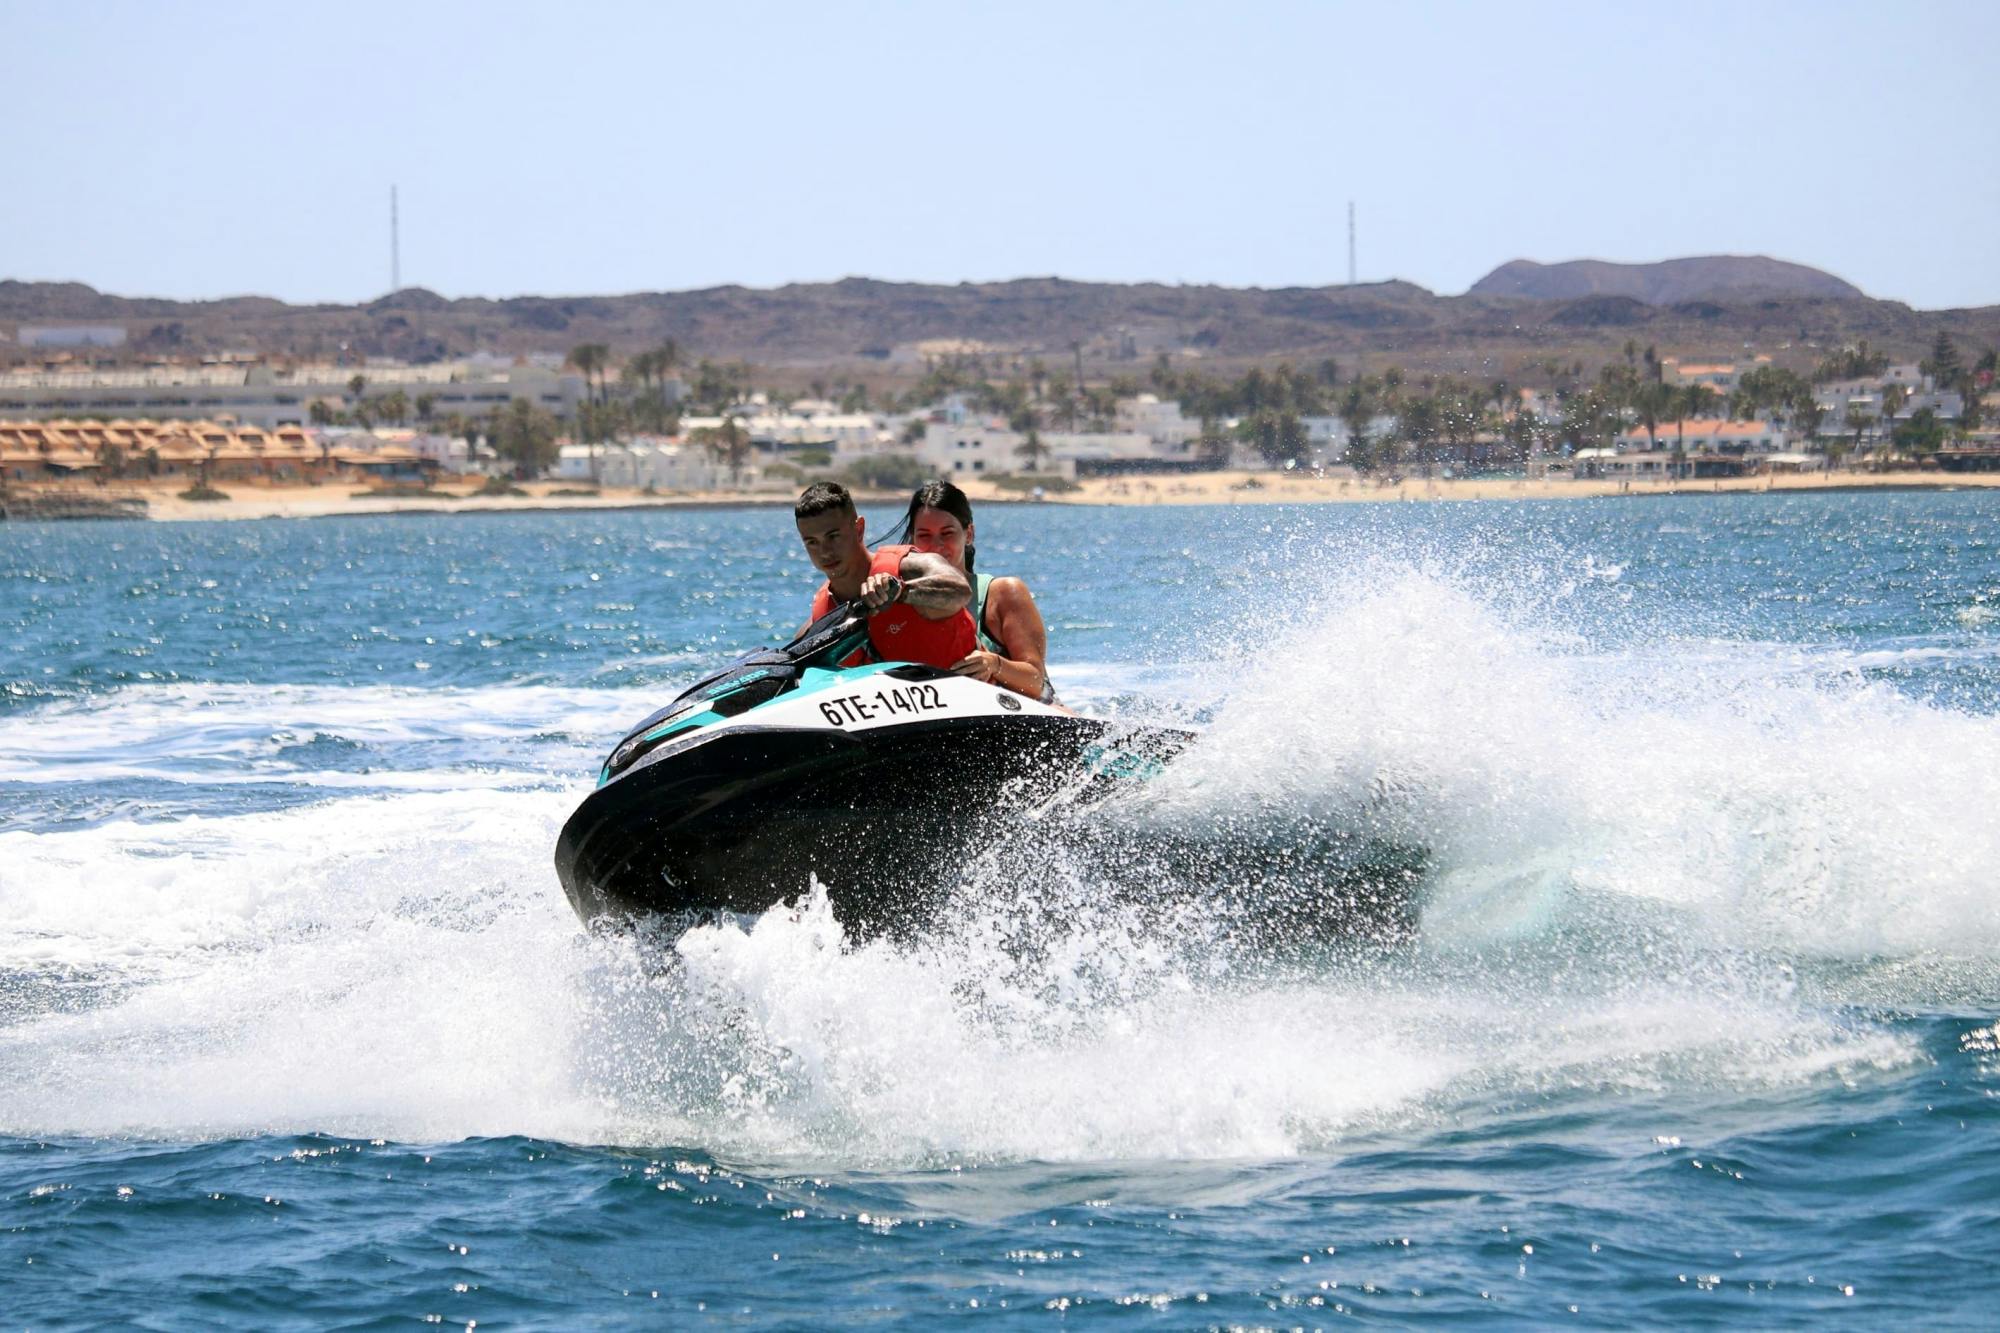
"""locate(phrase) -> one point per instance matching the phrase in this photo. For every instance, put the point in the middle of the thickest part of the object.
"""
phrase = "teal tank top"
(980, 584)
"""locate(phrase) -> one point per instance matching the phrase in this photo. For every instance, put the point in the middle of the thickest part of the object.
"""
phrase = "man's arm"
(933, 587)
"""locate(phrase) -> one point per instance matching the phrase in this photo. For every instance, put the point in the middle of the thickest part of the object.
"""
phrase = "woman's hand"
(980, 665)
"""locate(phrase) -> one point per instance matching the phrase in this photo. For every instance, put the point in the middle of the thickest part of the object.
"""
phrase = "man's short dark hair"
(822, 497)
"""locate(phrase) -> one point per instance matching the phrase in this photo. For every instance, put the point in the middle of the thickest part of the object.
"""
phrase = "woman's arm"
(1016, 622)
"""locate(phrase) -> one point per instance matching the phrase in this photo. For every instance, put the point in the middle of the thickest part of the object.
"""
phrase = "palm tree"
(1651, 401)
(1689, 400)
(1858, 421)
(590, 360)
(1893, 398)
(1064, 393)
(649, 405)
(1356, 409)
(1461, 415)
(1417, 426)
(666, 360)
(524, 435)
(1806, 414)
(639, 370)
(1032, 448)
(1590, 419)
(728, 443)
(1102, 403)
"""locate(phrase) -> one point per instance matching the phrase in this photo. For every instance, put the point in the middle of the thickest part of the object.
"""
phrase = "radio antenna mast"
(1350, 243)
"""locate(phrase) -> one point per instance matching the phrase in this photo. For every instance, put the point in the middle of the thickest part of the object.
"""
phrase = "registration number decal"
(905, 700)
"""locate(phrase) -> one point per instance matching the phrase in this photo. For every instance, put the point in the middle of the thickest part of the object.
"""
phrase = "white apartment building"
(1101, 451)
(839, 432)
(982, 450)
(450, 452)
(1162, 423)
(663, 464)
(1841, 398)
(1721, 376)
(886, 439)
(1945, 404)
(973, 450)
(1326, 440)
(1709, 435)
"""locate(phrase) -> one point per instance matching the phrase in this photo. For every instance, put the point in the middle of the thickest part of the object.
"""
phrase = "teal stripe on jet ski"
(811, 679)
(819, 678)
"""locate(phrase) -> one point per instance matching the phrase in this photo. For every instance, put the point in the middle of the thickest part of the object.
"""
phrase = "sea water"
(1697, 1023)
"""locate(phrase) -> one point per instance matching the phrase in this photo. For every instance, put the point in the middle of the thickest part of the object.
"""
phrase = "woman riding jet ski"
(873, 777)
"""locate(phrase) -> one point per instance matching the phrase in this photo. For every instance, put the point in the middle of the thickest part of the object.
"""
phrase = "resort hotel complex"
(242, 421)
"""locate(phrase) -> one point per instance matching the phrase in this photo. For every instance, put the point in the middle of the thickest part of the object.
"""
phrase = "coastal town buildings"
(279, 423)
(272, 396)
(70, 451)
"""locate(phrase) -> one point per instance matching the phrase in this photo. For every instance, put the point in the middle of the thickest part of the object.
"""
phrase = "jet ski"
(878, 779)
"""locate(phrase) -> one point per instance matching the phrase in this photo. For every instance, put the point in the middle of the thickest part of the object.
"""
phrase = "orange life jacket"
(898, 633)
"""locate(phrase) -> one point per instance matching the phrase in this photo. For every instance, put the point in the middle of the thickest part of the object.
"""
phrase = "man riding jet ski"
(916, 602)
(874, 777)
(875, 753)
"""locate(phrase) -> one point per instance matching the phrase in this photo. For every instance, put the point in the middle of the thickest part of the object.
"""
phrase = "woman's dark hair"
(943, 495)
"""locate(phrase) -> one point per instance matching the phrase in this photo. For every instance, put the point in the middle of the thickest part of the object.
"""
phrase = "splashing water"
(1670, 869)
(1669, 832)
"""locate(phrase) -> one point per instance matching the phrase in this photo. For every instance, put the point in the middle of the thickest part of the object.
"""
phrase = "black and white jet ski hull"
(875, 780)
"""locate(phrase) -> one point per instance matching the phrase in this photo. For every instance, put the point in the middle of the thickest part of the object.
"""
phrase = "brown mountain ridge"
(862, 320)
(1709, 277)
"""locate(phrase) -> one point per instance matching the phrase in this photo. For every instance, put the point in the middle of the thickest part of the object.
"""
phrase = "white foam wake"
(1755, 797)
(1633, 848)
(225, 734)
(405, 967)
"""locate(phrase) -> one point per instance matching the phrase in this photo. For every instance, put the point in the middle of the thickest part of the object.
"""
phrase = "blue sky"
(207, 149)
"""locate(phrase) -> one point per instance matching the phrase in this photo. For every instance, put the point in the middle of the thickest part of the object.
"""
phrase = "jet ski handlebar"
(896, 591)
(853, 606)
(835, 628)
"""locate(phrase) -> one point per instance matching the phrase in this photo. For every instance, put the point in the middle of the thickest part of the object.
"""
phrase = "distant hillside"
(1666, 283)
(878, 327)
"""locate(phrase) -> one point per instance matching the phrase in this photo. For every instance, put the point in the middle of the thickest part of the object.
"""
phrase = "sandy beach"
(163, 502)
(1303, 488)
